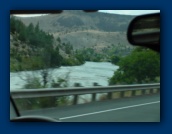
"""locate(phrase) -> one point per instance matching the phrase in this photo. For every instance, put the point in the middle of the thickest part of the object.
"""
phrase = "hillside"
(83, 30)
(93, 39)
(33, 49)
(69, 38)
(72, 20)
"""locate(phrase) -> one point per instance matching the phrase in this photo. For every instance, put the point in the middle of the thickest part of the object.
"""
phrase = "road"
(135, 109)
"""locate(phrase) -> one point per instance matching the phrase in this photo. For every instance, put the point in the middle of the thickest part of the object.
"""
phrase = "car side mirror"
(144, 30)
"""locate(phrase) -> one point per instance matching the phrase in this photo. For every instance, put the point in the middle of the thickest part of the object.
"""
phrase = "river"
(85, 74)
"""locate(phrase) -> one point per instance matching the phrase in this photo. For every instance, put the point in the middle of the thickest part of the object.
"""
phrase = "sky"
(126, 12)
(130, 12)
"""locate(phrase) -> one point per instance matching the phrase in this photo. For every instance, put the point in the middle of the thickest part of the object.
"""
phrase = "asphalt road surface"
(135, 109)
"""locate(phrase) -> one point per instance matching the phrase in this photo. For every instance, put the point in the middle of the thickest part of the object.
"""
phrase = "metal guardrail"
(32, 93)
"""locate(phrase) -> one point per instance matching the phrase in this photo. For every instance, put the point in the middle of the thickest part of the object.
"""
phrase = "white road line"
(63, 118)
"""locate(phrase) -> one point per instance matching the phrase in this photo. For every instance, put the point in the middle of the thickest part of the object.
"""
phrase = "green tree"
(115, 59)
(55, 58)
(141, 66)
(40, 52)
(59, 40)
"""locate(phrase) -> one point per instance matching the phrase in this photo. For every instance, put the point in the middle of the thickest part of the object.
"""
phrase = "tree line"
(41, 49)
(142, 65)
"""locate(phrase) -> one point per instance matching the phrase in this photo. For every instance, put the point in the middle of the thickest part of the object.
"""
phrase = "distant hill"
(71, 20)
(84, 30)
(93, 39)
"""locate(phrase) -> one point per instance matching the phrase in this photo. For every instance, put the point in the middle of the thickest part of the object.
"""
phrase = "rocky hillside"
(96, 30)
(32, 48)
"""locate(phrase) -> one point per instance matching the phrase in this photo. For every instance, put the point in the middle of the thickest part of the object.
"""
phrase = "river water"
(85, 74)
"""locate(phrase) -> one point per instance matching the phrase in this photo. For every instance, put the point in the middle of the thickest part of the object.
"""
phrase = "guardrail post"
(122, 94)
(151, 91)
(158, 90)
(94, 97)
(94, 94)
(75, 101)
(109, 96)
(143, 91)
(133, 93)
